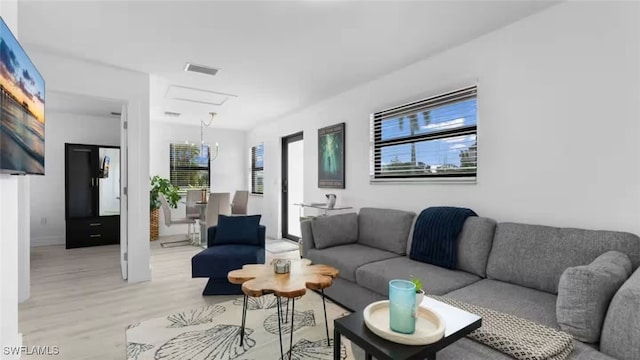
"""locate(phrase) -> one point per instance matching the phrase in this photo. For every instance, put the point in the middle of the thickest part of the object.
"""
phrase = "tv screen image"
(22, 120)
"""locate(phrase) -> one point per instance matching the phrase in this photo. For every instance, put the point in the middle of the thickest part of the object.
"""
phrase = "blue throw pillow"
(237, 230)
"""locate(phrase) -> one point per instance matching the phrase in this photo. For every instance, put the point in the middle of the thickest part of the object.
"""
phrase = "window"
(189, 166)
(430, 138)
(257, 169)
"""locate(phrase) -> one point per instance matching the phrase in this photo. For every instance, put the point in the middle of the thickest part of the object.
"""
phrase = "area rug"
(213, 332)
(280, 246)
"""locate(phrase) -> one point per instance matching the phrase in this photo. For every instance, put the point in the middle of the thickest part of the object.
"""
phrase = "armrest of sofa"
(621, 330)
(262, 234)
(211, 235)
(307, 237)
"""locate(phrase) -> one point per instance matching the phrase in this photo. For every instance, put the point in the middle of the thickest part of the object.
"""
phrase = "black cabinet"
(92, 188)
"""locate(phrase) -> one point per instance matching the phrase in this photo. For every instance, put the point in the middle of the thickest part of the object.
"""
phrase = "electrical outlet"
(43, 220)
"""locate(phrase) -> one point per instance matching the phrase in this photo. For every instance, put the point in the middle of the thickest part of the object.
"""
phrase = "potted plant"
(419, 291)
(161, 186)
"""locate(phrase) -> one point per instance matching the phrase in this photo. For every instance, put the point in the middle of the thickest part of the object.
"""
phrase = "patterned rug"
(280, 246)
(213, 332)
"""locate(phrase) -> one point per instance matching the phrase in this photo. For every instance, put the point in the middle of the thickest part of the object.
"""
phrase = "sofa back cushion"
(535, 256)
(620, 337)
(385, 229)
(335, 230)
(474, 245)
(237, 230)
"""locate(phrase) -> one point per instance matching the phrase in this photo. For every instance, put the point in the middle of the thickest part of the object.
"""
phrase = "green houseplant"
(162, 186)
(419, 290)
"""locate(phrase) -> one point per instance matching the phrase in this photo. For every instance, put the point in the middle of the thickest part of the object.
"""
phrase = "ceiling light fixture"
(207, 70)
(204, 124)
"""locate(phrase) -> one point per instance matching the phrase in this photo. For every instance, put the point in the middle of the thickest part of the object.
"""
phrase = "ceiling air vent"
(172, 114)
(201, 69)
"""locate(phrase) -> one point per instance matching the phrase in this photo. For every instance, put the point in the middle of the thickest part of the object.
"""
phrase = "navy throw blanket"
(436, 233)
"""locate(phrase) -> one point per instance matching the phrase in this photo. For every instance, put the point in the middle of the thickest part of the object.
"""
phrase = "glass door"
(292, 185)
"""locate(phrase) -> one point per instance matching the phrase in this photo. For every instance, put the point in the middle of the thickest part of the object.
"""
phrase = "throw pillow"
(335, 230)
(237, 230)
(584, 294)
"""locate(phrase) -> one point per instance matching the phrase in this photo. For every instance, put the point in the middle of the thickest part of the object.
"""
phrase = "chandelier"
(205, 124)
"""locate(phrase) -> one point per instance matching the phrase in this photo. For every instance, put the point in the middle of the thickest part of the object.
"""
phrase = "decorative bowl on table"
(429, 325)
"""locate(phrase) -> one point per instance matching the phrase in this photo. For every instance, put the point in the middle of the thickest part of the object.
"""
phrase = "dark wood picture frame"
(331, 157)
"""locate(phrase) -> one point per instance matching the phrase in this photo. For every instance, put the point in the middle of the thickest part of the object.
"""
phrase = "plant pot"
(419, 297)
(154, 230)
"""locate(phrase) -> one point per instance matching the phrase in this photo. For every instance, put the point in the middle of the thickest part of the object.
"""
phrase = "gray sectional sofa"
(509, 267)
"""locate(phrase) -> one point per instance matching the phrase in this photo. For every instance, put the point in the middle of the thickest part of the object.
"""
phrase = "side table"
(459, 323)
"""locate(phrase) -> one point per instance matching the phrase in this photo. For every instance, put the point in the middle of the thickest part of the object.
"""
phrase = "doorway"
(292, 185)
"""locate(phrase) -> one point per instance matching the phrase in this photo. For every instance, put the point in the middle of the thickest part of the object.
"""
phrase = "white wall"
(558, 123)
(75, 76)
(229, 171)
(10, 248)
(48, 192)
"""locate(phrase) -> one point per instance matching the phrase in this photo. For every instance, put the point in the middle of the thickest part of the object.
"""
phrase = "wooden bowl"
(429, 325)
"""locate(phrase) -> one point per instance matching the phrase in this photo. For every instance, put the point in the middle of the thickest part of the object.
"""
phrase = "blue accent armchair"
(217, 260)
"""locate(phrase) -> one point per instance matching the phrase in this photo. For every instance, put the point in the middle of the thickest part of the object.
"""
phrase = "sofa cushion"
(467, 349)
(536, 256)
(621, 329)
(335, 230)
(474, 245)
(435, 280)
(347, 258)
(585, 291)
(584, 351)
(237, 230)
(531, 304)
(385, 229)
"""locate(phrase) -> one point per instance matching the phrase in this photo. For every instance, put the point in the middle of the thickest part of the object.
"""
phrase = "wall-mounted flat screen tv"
(22, 109)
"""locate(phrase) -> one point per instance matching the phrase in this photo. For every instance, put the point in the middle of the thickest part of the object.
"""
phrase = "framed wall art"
(331, 151)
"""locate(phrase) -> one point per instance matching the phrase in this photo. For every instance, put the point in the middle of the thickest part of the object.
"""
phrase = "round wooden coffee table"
(261, 279)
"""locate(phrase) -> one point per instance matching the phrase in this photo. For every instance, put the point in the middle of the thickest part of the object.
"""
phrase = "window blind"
(189, 166)
(430, 138)
(257, 169)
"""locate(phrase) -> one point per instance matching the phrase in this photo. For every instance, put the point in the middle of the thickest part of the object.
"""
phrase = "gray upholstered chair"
(193, 211)
(218, 204)
(239, 203)
(166, 211)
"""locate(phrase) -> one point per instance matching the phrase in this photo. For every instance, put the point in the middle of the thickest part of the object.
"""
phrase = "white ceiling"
(275, 56)
(82, 105)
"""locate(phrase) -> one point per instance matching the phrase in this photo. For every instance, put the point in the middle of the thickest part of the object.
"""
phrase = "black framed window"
(431, 138)
(257, 169)
(189, 166)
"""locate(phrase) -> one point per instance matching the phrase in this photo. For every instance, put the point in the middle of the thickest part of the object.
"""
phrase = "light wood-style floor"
(80, 303)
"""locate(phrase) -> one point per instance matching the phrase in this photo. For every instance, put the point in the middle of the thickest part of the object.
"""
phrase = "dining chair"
(168, 221)
(239, 204)
(218, 204)
(192, 210)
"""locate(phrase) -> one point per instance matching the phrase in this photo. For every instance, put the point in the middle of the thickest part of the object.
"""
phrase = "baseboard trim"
(47, 241)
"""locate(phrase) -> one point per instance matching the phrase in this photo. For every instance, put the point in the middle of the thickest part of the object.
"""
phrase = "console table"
(322, 206)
